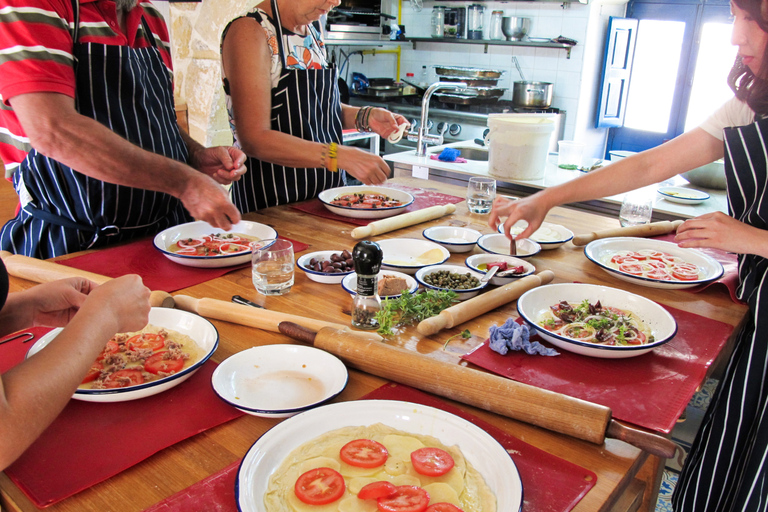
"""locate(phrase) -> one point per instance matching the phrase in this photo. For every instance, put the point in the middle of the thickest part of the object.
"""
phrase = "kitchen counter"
(459, 174)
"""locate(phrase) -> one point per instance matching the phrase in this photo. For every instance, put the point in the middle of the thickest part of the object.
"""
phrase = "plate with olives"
(465, 282)
(327, 267)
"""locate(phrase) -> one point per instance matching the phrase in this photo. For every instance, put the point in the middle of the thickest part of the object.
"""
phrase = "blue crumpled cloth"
(513, 336)
(449, 155)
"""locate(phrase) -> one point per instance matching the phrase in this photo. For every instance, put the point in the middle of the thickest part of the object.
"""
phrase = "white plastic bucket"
(518, 145)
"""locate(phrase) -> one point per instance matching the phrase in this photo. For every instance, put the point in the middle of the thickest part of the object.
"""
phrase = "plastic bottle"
(424, 82)
(367, 256)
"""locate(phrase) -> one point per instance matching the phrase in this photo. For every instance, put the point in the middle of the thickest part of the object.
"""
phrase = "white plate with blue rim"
(410, 254)
(349, 283)
(683, 195)
(331, 200)
(548, 236)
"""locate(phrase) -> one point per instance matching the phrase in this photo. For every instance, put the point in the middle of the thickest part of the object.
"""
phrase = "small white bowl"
(534, 303)
(478, 259)
(277, 381)
(498, 243)
(455, 239)
(683, 195)
(170, 236)
(196, 327)
(548, 236)
(329, 195)
(410, 254)
(462, 294)
(349, 283)
(321, 277)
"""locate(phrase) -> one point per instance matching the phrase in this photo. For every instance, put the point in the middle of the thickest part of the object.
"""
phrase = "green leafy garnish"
(412, 307)
(464, 334)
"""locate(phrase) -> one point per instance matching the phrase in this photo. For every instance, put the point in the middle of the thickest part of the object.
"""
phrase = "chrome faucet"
(422, 137)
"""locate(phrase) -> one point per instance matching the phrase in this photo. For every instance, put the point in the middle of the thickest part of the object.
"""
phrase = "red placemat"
(550, 484)
(157, 271)
(422, 198)
(62, 463)
(651, 390)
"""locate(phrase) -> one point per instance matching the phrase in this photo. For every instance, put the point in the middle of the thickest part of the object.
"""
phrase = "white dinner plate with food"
(548, 236)
(683, 195)
(515, 267)
(653, 263)
(464, 282)
(278, 381)
(410, 254)
(200, 330)
(349, 283)
(365, 202)
(185, 244)
(633, 326)
(480, 450)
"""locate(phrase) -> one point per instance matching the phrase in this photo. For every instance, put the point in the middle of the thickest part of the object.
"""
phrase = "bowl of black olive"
(328, 267)
(465, 282)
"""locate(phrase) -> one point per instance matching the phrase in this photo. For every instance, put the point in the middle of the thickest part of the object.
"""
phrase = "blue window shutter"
(617, 68)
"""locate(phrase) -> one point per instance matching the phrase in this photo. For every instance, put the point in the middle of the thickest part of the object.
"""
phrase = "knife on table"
(241, 300)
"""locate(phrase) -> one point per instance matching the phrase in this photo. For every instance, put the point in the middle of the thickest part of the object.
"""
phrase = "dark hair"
(749, 88)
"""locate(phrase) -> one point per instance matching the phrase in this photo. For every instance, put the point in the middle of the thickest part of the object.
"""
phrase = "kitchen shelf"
(558, 46)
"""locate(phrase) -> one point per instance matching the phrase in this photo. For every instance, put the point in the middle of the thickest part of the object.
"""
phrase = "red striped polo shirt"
(36, 52)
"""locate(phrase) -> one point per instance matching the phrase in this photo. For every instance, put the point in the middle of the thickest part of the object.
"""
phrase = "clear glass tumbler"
(272, 266)
(636, 208)
(480, 194)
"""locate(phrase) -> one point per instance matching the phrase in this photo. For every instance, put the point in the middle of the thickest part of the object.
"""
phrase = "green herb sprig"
(412, 307)
(464, 334)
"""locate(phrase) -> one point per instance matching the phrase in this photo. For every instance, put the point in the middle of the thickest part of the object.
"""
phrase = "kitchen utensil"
(488, 275)
(28, 336)
(454, 71)
(475, 21)
(240, 300)
(505, 276)
(451, 24)
(515, 27)
(711, 175)
(560, 413)
(471, 82)
(519, 69)
(41, 271)
(512, 247)
(643, 230)
(494, 32)
(401, 221)
(437, 21)
(459, 99)
(473, 92)
(532, 94)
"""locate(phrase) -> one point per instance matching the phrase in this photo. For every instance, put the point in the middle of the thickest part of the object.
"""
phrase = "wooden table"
(616, 464)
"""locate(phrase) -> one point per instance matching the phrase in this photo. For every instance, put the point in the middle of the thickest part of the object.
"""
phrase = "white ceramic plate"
(479, 448)
(534, 303)
(196, 327)
(349, 283)
(422, 273)
(455, 239)
(326, 196)
(321, 277)
(683, 195)
(170, 236)
(478, 259)
(403, 254)
(548, 236)
(601, 251)
(277, 381)
(497, 243)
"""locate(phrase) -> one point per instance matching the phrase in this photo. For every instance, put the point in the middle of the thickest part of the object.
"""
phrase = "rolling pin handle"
(651, 443)
(297, 332)
(362, 232)
(582, 240)
(546, 276)
(161, 299)
(435, 324)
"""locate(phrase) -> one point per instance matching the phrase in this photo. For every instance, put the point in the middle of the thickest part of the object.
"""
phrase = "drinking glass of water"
(272, 266)
(636, 208)
(480, 194)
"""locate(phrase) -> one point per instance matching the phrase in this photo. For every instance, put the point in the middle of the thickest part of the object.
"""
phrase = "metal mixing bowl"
(708, 176)
(515, 28)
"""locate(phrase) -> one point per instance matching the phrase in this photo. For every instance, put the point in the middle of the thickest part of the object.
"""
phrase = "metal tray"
(471, 82)
(467, 72)
(466, 100)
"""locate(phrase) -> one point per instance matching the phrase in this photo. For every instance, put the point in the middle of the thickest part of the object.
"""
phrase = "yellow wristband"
(332, 154)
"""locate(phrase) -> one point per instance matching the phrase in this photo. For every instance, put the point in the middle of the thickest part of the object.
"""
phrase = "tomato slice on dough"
(319, 486)
(123, 379)
(157, 363)
(443, 507)
(376, 490)
(407, 498)
(364, 453)
(431, 461)
(93, 373)
(148, 340)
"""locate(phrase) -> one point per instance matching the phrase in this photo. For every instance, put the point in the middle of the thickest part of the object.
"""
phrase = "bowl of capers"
(465, 282)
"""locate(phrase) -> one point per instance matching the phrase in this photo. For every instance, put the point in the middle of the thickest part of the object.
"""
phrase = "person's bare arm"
(58, 131)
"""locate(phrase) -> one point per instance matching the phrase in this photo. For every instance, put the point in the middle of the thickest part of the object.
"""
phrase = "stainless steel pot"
(532, 94)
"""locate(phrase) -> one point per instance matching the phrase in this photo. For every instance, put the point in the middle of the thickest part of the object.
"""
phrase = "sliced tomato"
(147, 340)
(157, 363)
(110, 348)
(231, 247)
(431, 461)
(118, 379)
(631, 268)
(443, 507)
(188, 251)
(661, 274)
(93, 373)
(190, 242)
(319, 486)
(407, 498)
(640, 339)
(364, 453)
(376, 490)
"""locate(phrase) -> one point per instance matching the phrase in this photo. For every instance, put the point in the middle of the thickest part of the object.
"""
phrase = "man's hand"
(223, 164)
(207, 201)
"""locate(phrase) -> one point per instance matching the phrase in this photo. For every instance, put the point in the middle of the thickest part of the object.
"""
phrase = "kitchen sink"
(478, 154)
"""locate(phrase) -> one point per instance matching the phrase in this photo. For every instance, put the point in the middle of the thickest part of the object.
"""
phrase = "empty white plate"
(683, 195)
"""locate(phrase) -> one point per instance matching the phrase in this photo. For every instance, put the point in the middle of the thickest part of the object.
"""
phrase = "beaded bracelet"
(367, 121)
(323, 154)
(360, 117)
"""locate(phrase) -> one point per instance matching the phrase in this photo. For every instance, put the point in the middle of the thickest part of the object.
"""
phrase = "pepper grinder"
(367, 256)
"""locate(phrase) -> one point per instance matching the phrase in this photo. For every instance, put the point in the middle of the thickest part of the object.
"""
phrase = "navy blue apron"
(129, 91)
(726, 467)
(305, 103)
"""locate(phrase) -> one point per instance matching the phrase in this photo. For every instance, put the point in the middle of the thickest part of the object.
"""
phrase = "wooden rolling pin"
(651, 229)
(43, 271)
(476, 306)
(403, 220)
(255, 317)
(547, 409)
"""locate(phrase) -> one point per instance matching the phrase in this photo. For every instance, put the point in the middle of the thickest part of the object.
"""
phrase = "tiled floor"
(683, 434)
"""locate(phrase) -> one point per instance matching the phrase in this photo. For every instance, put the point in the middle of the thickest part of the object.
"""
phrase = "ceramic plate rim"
(453, 267)
(305, 257)
(701, 195)
(461, 244)
(414, 267)
(528, 240)
(528, 265)
(568, 238)
(362, 213)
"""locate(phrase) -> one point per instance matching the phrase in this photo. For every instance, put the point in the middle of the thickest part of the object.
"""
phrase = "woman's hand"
(224, 164)
(369, 168)
(720, 231)
(124, 301)
(384, 122)
(531, 209)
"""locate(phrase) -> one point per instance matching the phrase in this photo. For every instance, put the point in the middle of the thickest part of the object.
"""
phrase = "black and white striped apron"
(129, 91)
(305, 103)
(726, 469)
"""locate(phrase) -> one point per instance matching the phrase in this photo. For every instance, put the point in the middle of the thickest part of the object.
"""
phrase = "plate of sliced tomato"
(478, 447)
(653, 263)
(364, 202)
(198, 244)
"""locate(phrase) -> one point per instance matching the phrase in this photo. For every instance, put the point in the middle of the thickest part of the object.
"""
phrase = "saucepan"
(532, 94)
